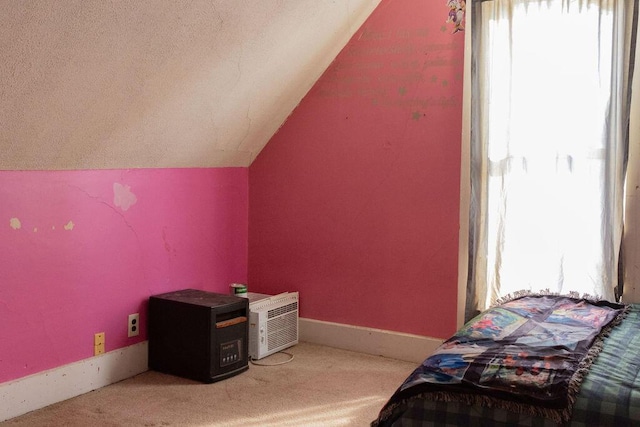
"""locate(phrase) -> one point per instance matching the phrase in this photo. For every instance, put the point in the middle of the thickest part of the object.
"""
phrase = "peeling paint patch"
(69, 226)
(15, 223)
(123, 197)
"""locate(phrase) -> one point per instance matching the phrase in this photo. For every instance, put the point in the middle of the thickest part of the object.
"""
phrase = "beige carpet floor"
(321, 386)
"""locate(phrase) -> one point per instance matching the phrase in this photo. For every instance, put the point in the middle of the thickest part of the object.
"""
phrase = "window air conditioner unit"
(273, 323)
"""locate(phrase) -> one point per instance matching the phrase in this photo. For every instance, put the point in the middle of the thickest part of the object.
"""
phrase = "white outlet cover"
(133, 328)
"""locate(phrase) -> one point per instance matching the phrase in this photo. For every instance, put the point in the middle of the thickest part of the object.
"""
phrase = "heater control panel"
(231, 352)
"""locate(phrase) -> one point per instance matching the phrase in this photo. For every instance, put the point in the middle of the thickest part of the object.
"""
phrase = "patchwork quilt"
(527, 355)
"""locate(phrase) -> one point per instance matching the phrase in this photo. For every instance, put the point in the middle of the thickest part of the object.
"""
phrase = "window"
(549, 141)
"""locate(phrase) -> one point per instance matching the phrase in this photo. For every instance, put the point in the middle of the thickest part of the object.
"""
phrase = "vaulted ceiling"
(91, 84)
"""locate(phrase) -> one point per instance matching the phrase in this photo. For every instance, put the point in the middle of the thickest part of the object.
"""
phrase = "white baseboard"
(45, 388)
(395, 345)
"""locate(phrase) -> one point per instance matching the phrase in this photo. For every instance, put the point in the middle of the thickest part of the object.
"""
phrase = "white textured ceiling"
(166, 83)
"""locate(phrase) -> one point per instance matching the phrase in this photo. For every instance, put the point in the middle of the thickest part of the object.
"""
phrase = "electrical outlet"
(98, 343)
(134, 325)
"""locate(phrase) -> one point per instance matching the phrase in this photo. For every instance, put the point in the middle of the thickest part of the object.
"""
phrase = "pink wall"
(355, 201)
(81, 250)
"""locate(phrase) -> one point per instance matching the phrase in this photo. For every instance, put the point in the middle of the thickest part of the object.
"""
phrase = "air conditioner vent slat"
(282, 330)
(281, 310)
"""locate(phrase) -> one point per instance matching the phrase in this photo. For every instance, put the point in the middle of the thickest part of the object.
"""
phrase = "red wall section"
(355, 201)
(81, 250)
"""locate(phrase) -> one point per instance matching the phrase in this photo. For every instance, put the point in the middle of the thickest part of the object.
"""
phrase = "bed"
(533, 360)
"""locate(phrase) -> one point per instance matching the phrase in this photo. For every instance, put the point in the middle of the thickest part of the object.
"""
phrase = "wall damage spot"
(123, 197)
(69, 226)
(15, 223)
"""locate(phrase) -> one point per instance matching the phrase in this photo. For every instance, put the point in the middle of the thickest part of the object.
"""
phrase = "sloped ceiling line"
(147, 84)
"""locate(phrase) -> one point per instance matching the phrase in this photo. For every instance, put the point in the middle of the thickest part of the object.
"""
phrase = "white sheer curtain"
(549, 134)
